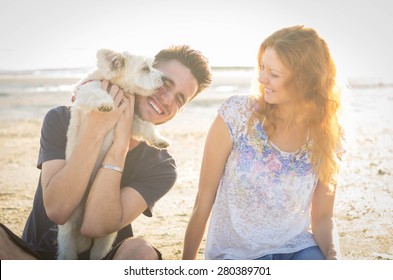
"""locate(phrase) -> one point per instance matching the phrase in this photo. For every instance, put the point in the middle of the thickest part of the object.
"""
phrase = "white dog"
(133, 74)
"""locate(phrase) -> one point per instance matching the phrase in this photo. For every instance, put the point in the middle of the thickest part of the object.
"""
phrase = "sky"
(42, 34)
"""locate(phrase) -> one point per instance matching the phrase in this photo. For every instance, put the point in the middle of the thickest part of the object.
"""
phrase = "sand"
(364, 200)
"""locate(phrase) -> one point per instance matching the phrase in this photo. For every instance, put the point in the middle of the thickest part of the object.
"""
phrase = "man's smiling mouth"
(154, 105)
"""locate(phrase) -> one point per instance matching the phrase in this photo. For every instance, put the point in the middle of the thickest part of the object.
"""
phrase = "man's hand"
(124, 107)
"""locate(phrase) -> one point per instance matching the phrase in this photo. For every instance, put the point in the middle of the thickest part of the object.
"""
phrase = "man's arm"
(64, 183)
(109, 208)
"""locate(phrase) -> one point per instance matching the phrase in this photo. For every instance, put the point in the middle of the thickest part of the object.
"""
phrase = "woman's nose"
(262, 78)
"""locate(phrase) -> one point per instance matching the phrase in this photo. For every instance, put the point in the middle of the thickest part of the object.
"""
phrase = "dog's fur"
(133, 74)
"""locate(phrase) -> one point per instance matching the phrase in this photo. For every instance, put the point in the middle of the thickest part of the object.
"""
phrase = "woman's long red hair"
(316, 95)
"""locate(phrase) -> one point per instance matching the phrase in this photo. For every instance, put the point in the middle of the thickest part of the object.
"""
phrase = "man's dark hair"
(192, 59)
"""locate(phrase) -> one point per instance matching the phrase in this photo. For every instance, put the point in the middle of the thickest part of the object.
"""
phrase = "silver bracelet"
(112, 167)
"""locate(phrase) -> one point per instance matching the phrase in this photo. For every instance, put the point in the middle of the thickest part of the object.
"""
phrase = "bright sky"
(57, 34)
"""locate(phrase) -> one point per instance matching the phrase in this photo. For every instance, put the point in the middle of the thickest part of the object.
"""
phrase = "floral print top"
(264, 198)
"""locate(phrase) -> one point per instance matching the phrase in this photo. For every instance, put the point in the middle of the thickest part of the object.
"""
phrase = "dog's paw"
(105, 107)
(159, 143)
(103, 102)
(91, 97)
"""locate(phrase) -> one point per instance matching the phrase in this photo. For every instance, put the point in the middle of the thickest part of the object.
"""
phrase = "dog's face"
(132, 73)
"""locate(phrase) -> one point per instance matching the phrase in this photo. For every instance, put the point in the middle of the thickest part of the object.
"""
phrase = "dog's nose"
(163, 78)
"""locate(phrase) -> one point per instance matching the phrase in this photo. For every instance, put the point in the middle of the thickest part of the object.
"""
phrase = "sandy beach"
(364, 200)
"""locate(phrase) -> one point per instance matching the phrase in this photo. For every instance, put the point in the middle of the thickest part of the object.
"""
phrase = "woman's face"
(274, 76)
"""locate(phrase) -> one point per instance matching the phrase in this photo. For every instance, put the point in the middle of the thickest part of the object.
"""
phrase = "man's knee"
(136, 249)
(4, 240)
(9, 251)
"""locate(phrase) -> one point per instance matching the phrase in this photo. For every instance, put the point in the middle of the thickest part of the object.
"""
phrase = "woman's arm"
(217, 148)
(322, 222)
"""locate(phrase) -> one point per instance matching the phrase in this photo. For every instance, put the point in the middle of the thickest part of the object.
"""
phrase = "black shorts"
(42, 255)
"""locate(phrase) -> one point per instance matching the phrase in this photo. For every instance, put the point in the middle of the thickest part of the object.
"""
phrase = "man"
(137, 177)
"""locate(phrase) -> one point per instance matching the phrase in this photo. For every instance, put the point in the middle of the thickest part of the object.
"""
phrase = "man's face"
(179, 87)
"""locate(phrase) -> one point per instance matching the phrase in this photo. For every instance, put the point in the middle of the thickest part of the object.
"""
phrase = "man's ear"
(110, 63)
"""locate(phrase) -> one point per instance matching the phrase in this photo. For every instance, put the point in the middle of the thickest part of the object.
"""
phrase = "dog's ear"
(110, 63)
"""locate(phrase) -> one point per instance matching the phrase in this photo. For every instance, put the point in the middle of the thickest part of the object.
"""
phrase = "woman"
(270, 160)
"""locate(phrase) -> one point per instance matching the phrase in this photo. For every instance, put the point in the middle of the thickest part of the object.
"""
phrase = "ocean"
(30, 94)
